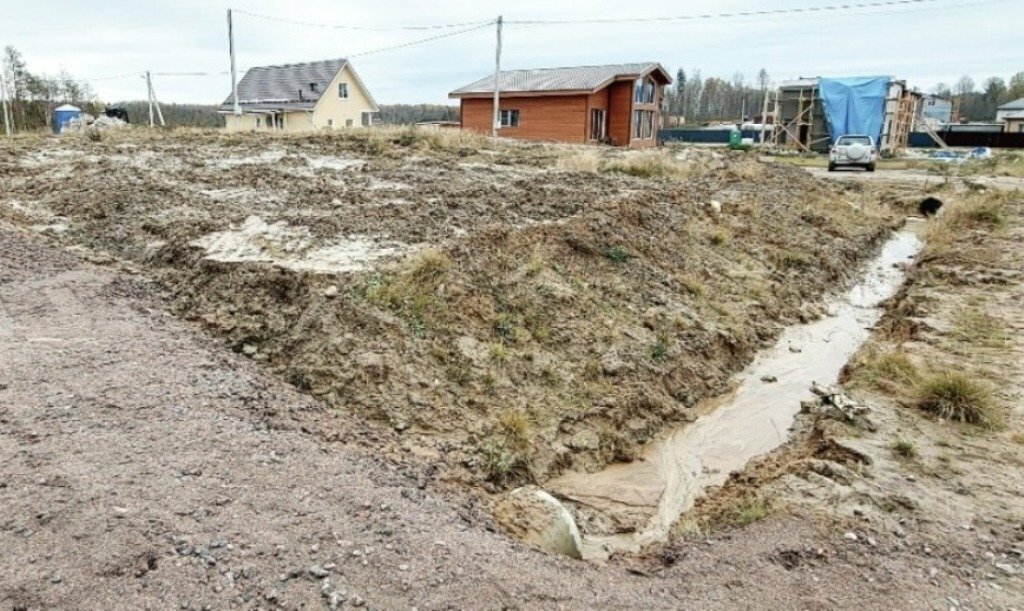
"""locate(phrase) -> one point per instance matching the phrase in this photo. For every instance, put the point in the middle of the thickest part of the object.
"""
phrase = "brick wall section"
(558, 118)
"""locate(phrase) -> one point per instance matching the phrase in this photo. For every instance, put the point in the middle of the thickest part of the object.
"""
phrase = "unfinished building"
(810, 120)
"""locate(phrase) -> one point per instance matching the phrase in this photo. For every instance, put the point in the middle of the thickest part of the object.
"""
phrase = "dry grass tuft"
(649, 164)
(892, 371)
(412, 292)
(957, 396)
(579, 161)
(746, 510)
(904, 448)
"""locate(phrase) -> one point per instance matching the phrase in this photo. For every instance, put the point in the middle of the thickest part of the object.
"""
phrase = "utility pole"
(497, 74)
(234, 69)
(149, 96)
(764, 116)
(7, 112)
(156, 103)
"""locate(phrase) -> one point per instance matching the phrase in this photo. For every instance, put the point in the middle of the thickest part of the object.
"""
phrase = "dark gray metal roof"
(578, 78)
(281, 85)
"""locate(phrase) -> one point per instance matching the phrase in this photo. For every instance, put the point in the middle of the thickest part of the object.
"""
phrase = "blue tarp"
(854, 105)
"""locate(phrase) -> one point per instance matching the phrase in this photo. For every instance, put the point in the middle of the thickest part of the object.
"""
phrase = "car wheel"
(831, 167)
(870, 167)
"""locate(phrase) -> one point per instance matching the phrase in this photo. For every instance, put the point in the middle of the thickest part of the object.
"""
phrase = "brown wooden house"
(617, 104)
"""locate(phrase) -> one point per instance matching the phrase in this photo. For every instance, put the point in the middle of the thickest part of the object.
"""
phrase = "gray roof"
(280, 86)
(579, 78)
(1014, 105)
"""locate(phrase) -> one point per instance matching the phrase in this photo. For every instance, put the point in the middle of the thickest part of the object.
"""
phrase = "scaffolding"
(800, 120)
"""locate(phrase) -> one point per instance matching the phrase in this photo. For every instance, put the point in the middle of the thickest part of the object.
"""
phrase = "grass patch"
(501, 465)
(516, 425)
(889, 371)
(648, 164)
(499, 353)
(659, 351)
(957, 396)
(904, 448)
(980, 329)
(1018, 438)
(579, 161)
(694, 287)
(617, 255)
(413, 292)
(504, 456)
(748, 509)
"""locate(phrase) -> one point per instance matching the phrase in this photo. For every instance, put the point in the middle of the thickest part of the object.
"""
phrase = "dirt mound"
(535, 320)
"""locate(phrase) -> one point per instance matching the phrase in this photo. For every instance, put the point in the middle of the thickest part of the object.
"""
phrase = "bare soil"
(515, 320)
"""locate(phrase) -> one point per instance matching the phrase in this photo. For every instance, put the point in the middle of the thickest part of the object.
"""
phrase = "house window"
(312, 86)
(348, 122)
(343, 90)
(510, 118)
(330, 123)
(643, 124)
(643, 91)
(258, 122)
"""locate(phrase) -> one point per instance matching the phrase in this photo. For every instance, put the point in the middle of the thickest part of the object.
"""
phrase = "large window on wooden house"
(643, 124)
(510, 118)
(643, 90)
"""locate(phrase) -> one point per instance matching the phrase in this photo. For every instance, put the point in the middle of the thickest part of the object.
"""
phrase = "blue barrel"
(63, 114)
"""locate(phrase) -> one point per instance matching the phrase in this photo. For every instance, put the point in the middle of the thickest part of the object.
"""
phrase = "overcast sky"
(924, 44)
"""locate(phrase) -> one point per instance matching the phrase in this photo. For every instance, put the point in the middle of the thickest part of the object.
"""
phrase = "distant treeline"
(404, 114)
(976, 105)
(175, 115)
(32, 97)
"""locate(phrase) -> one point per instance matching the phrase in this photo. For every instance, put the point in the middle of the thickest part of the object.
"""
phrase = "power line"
(116, 76)
(445, 26)
(708, 16)
(423, 40)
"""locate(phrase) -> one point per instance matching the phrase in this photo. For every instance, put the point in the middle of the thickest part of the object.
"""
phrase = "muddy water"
(754, 419)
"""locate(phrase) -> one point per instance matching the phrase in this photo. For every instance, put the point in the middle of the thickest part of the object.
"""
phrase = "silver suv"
(853, 150)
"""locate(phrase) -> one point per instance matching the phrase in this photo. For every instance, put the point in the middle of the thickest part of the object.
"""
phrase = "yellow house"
(300, 97)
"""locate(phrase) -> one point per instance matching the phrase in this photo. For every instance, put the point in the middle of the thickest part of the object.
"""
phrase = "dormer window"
(312, 86)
